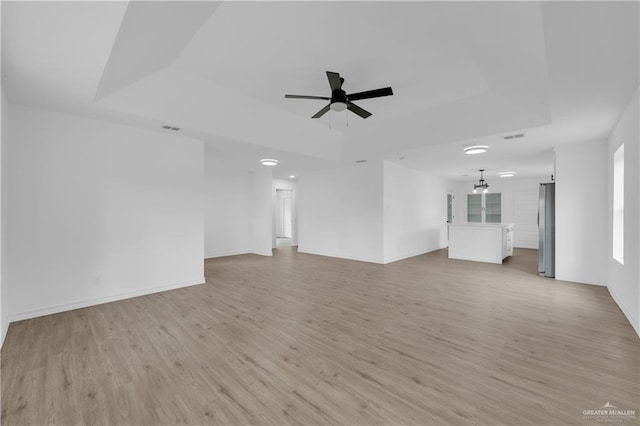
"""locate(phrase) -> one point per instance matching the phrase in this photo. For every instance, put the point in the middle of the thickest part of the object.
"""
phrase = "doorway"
(526, 219)
(284, 217)
(449, 212)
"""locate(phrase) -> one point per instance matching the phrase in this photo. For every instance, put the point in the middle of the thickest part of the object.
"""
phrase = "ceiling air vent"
(361, 161)
(175, 129)
(519, 135)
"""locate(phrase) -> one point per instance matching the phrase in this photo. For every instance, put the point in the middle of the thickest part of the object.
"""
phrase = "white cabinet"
(507, 241)
(484, 208)
(481, 242)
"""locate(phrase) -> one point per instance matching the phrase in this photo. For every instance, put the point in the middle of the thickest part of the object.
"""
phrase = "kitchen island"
(481, 242)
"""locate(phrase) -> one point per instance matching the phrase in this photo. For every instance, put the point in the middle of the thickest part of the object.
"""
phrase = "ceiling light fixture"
(481, 185)
(477, 149)
(269, 162)
(506, 174)
(338, 106)
(292, 176)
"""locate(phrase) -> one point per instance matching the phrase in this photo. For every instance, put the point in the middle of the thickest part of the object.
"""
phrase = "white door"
(286, 217)
(526, 219)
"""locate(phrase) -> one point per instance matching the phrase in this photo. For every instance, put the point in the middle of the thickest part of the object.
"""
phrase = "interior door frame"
(284, 216)
(276, 208)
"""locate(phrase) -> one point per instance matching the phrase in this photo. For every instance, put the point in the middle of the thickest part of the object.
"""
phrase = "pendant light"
(481, 185)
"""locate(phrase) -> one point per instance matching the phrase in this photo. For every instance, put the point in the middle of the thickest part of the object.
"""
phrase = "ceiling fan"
(339, 100)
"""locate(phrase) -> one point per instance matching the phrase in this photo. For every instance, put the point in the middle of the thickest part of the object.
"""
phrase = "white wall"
(4, 321)
(513, 191)
(377, 212)
(293, 186)
(228, 195)
(238, 210)
(624, 280)
(97, 212)
(582, 212)
(340, 212)
(262, 211)
(415, 212)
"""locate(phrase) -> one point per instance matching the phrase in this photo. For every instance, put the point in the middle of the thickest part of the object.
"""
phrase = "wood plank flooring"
(308, 340)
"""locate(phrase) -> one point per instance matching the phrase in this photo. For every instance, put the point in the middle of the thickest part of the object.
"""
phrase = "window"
(618, 204)
(484, 208)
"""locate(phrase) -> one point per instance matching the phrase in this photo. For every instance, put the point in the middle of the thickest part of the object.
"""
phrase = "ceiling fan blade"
(357, 110)
(370, 94)
(322, 112)
(334, 81)
(306, 97)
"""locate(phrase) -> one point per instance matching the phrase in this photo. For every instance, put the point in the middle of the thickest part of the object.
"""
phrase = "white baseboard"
(577, 281)
(625, 311)
(596, 284)
(225, 254)
(98, 301)
(340, 256)
(263, 253)
(418, 253)
(526, 246)
(240, 253)
(5, 327)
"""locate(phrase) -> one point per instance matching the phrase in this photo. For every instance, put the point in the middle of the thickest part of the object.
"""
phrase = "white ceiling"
(462, 73)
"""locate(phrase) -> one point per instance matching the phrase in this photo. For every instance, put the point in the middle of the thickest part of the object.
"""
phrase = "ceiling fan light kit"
(340, 100)
(338, 106)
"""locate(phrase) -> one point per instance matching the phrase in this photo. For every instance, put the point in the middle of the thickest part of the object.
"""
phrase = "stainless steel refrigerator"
(547, 230)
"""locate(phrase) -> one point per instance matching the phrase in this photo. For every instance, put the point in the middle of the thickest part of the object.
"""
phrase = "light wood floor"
(302, 339)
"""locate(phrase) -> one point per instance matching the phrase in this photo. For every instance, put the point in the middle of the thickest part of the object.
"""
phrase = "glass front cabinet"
(484, 208)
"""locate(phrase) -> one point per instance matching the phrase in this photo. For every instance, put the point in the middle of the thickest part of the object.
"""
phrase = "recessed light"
(269, 162)
(477, 149)
(292, 176)
(506, 174)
